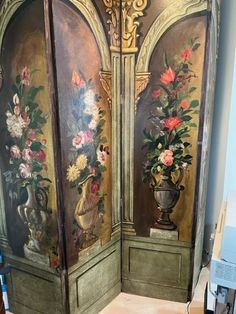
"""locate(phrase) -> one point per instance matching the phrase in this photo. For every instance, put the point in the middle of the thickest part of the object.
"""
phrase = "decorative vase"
(35, 214)
(86, 213)
(166, 194)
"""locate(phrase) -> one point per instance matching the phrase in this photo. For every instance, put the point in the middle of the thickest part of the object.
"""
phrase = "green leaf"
(18, 79)
(36, 146)
(15, 90)
(193, 125)
(186, 118)
(165, 60)
(194, 103)
(33, 92)
(192, 89)
(37, 167)
(196, 46)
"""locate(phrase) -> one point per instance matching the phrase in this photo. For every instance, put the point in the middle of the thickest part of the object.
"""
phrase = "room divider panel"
(106, 113)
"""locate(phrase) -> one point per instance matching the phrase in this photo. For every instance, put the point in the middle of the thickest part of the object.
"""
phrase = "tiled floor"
(132, 304)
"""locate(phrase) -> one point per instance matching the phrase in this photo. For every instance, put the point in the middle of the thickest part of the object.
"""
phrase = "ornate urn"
(35, 214)
(166, 194)
(86, 213)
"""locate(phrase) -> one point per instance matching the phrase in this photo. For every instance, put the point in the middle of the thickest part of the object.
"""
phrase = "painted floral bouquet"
(89, 150)
(172, 107)
(24, 123)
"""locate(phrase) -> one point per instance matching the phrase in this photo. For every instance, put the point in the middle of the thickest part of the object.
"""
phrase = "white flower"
(16, 124)
(185, 165)
(93, 124)
(89, 98)
(16, 100)
(159, 146)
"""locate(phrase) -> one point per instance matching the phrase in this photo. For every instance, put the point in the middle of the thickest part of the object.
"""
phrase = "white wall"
(221, 177)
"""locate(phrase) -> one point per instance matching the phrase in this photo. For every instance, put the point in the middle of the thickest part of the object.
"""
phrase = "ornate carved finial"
(142, 80)
(105, 79)
(1, 76)
(131, 10)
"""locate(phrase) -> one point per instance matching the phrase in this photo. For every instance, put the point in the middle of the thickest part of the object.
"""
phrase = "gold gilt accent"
(142, 80)
(105, 79)
(131, 10)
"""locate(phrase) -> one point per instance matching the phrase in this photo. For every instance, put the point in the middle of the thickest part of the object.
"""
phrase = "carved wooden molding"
(142, 80)
(8, 8)
(88, 10)
(131, 10)
(105, 79)
(172, 14)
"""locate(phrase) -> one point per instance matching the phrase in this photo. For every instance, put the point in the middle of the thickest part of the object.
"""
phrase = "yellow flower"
(72, 173)
(81, 162)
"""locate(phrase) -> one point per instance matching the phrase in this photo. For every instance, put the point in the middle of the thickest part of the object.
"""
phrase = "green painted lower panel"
(95, 283)
(156, 268)
(152, 290)
(33, 289)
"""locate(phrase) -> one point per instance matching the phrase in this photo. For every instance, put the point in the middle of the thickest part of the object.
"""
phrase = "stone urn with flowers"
(87, 160)
(168, 140)
(27, 173)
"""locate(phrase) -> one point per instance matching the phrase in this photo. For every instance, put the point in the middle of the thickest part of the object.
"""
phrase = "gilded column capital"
(106, 81)
(131, 10)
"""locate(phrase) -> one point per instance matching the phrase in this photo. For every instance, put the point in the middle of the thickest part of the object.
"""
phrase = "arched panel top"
(88, 10)
(7, 10)
(172, 14)
(86, 7)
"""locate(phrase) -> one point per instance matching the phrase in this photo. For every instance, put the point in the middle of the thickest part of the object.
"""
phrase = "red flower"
(168, 76)
(25, 76)
(172, 123)
(186, 54)
(156, 93)
(184, 104)
(41, 155)
(95, 187)
(77, 80)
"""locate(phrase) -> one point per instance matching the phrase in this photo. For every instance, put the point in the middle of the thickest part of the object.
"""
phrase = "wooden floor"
(132, 304)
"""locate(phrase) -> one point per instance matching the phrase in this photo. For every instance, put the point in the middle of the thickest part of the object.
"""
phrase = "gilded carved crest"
(131, 10)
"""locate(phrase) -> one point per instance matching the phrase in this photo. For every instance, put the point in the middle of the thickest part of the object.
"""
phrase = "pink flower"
(166, 157)
(168, 76)
(102, 157)
(27, 155)
(25, 171)
(184, 104)
(41, 155)
(31, 135)
(156, 93)
(78, 140)
(172, 123)
(186, 54)
(25, 76)
(77, 80)
(15, 152)
(28, 143)
(95, 187)
(44, 141)
(88, 137)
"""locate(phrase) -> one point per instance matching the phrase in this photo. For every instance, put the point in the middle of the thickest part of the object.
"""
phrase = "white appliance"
(223, 263)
